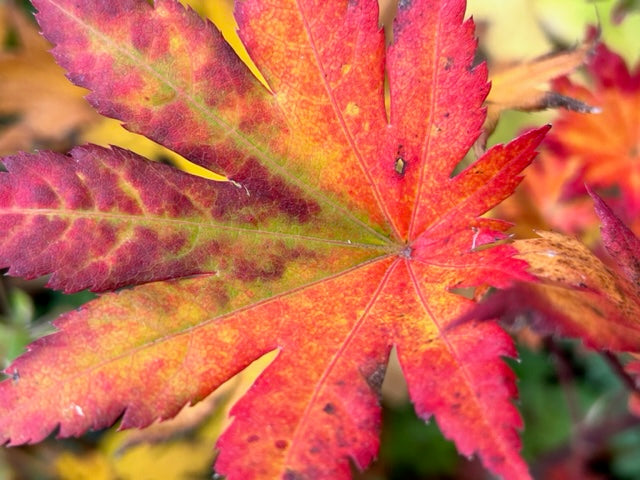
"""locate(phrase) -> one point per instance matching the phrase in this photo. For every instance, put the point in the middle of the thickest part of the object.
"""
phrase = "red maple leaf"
(340, 234)
(575, 293)
(600, 149)
(605, 147)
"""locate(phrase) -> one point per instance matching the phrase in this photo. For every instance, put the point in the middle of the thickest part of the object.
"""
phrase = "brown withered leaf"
(520, 86)
(39, 107)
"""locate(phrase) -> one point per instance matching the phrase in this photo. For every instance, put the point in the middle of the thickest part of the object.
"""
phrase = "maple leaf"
(340, 234)
(577, 294)
(539, 203)
(605, 146)
(518, 86)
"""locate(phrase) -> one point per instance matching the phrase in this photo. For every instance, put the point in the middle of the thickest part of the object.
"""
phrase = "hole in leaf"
(388, 10)
(466, 292)
(394, 386)
(467, 160)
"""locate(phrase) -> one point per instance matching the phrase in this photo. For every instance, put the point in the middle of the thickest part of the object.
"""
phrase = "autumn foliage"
(341, 228)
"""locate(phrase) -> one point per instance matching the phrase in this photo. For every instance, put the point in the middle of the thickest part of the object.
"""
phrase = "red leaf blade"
(104, 218)
(620, 242)
(171, 76)
(434, 93)
(137, 353)
(341, 235)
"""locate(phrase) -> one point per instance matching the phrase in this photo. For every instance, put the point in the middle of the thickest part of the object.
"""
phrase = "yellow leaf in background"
(39, 107)
(110, 132)
(176, 460)
(189, 454)
(90, 466)
(518, 30)
(510, 30)
(220, 12)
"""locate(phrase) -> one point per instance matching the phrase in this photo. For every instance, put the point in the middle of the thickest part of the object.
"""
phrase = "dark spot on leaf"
(292, 475)
(281, 444)
(404, 4)
(375, 377)
(555, 100)
(253, 438)
(15, 376)
(329, 408)
(449, 63)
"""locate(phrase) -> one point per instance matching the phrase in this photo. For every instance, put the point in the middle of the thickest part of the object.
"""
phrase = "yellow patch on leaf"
(111, 132)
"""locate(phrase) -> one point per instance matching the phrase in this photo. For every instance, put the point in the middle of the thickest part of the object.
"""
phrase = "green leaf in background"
(14, 324)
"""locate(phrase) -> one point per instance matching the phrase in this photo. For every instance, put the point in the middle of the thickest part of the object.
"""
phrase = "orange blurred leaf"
(525, 86)
(606, 146)
(42, 109)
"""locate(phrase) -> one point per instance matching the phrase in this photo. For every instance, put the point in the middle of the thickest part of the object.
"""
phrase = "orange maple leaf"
(605, 147)
(44, 110)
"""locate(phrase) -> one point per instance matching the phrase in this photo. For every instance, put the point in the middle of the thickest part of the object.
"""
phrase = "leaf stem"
(618, 368)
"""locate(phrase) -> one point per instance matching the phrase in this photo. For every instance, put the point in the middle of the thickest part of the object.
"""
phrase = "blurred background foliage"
(573, 404)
